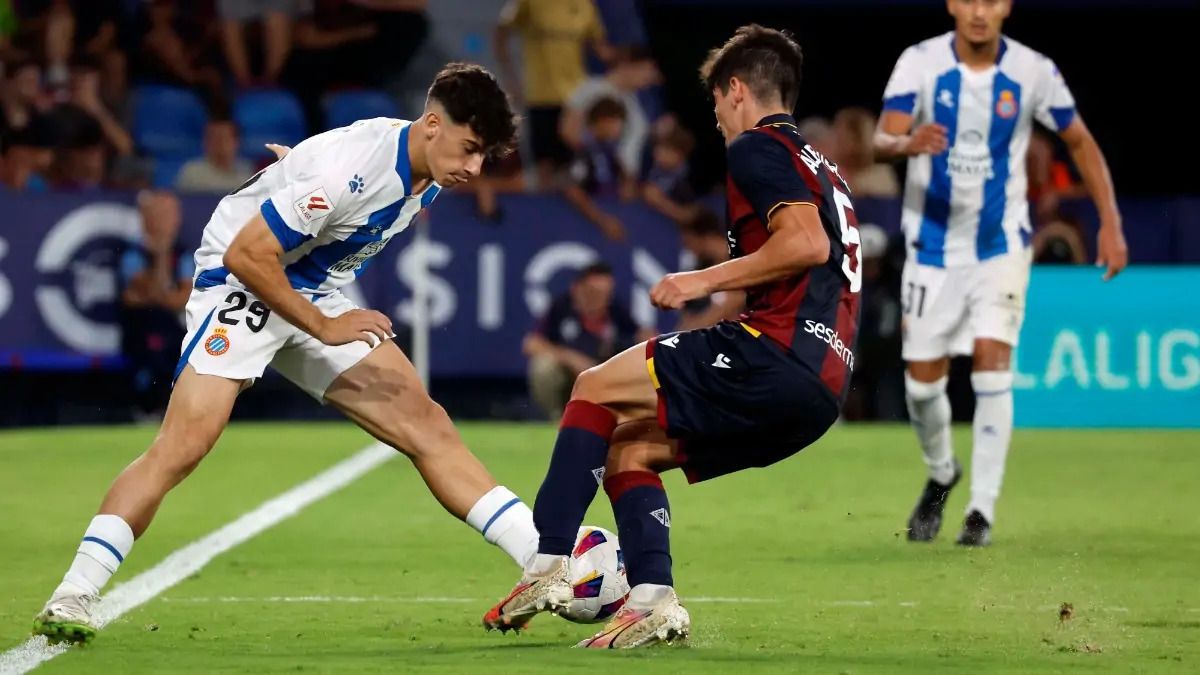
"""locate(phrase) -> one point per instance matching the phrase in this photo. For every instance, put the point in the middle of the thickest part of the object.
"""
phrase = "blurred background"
(123, 122)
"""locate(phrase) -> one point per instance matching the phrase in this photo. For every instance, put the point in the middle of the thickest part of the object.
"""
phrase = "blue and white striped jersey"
(334, 202)
(969, 203)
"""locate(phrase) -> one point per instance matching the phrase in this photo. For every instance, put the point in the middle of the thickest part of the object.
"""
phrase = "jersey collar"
(775, 120)
(999, 52)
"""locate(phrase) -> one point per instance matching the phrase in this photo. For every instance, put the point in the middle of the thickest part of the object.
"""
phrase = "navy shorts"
(735, 399)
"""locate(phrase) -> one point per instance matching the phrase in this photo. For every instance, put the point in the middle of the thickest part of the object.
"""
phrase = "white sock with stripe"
(504, 520)
(993, 431)
(929, 411)
(105, 545)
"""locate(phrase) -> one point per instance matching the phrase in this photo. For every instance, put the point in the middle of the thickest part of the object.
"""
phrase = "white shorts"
(947, 309)
(232, 334)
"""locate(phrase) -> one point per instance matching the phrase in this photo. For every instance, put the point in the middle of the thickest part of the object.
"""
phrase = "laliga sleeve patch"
(313, 206)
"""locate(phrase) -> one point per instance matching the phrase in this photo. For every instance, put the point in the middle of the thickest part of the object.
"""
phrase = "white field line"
(191, 558)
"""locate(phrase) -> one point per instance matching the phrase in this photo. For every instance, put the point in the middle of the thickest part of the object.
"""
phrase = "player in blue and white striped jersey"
(272, 259)
(961, 107)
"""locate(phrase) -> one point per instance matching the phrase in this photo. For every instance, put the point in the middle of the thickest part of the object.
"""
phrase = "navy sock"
(576, 469)
(643, 525)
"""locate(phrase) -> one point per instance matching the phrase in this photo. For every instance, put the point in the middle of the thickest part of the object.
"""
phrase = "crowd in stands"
(184, 96)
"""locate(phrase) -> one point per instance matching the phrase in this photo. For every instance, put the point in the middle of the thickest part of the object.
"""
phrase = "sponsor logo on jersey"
(830, 337)
(313, 206)
(1006, 107)
(357, 184)
(945, 98)
(672, 342)
(355, 260)
(217, 343)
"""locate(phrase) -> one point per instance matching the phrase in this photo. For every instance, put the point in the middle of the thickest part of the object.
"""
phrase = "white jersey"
(333, 202)
(969, 204)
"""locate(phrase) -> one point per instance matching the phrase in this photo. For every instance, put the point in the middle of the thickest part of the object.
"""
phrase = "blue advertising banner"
(488, 282)
(1125, 353)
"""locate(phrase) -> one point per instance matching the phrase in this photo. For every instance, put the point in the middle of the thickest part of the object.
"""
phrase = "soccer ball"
(598, 575)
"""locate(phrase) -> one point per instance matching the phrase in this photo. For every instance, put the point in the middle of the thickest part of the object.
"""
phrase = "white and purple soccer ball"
(598, 576)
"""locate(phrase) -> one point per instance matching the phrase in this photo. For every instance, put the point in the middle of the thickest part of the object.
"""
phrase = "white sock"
(648, 595)
(105, 545)
(993, 431)
(504, 520)
(929, 410)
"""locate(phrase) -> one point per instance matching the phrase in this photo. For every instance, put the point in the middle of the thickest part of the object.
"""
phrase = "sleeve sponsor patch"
(313, 206)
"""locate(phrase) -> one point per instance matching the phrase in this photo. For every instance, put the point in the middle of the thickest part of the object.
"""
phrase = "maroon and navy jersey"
(814, 314)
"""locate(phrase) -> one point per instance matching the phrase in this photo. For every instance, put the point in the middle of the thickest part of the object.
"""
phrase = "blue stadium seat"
(268, 116)
(346, 107)
(168, 122)
(166, 170)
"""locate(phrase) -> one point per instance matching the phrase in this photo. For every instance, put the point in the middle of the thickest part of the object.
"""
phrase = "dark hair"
(472, 96)
(705, 223)
(598, 268)
(680, 139)
(604, 108)
(767, 60)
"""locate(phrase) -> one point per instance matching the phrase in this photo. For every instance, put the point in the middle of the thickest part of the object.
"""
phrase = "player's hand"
(364, 325)
(279, 150)
(927, 139)
(1112, 253)
(676, 289)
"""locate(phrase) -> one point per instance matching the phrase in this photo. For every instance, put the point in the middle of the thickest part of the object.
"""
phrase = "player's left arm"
(1112, 252)
(763, 170)
(1055, 108)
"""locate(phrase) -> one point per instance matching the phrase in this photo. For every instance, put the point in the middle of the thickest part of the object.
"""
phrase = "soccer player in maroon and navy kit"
(716, 400)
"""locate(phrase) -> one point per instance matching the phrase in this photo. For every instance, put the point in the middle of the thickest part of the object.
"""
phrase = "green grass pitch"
(802, 567)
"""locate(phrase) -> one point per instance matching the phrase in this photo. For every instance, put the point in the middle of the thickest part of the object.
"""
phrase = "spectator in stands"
(596, 172)
(25, 157)
(21, 97)
(1059, 242)
(633, 71)
(704, 237)
(171, 55)
(583, 328)
(854, 151)
(156, 278)
(819, 133)
(220, 170)
(276, 18)
(554, 34)
(667, 188)
(85, 93)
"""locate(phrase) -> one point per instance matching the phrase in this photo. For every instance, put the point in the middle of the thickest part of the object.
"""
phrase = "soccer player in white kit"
(272, 259)
(960, 107)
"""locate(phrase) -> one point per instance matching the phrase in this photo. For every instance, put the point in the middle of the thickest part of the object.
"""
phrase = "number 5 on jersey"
(850, 241)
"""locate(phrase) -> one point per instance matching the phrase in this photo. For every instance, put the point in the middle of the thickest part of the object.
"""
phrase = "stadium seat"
(268, 116)
(168, 122)
(166, 170)
(346, 107)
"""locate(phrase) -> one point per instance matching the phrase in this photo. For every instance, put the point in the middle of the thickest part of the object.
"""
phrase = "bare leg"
(234, 42)
(277, 33)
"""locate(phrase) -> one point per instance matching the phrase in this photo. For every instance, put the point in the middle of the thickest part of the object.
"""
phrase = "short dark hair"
(472, 96)
(706, 223)
(767, 60)
(606, 107)
(598, 268)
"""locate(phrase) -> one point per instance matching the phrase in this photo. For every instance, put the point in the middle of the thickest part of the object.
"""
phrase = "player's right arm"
(254, 258)
(895, 137)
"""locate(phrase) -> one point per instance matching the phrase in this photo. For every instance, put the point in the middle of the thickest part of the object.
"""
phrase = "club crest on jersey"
(313, 206)
(1006, 107)
(217, 343)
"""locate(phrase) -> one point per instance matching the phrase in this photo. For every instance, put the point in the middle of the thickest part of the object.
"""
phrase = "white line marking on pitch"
(191, 558)
(432, 600)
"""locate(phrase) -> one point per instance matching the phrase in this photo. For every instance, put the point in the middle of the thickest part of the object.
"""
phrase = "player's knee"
(992, 355)
(918, 390)
(589, 386)
(174, 459)
(422, 431)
